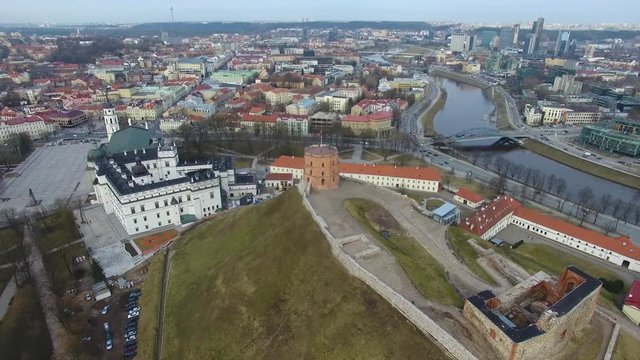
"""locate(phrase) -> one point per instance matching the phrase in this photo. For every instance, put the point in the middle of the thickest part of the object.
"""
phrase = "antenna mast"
(171, 9)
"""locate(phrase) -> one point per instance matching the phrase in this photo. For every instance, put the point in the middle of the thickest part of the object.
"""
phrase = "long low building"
(504, 210)
(410, 178)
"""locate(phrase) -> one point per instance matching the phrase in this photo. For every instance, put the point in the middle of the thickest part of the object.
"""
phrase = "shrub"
(613, 286)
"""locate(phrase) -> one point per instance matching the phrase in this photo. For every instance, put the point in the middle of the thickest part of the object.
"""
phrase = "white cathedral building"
(141, 180)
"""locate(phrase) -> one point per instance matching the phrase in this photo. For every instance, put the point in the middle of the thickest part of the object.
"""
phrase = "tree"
(561, 192)
(604, 203)
(446, 180)
(187, 137)
(97, 271)
(585, 203)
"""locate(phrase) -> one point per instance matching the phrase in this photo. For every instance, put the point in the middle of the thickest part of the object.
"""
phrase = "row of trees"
(586, 205)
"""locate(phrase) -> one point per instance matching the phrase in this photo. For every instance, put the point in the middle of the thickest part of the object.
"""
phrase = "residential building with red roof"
(469, 198)
(296, 125)
(7, 114)
(491, 218)
(35, 126)
(250, 121)
(504, 210)
(378, 122)
(410, 178)
(631, 306)
(366, 106)
(278, 96)
(278, 181)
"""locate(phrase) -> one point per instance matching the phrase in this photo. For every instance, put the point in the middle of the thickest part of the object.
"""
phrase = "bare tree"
(617, 207)
(551, 183)
(585, 203)
(604, 203)
(499, 184)
(611, 226)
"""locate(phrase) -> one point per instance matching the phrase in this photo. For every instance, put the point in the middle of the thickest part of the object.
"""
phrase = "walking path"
(5, 298)
(57, 332)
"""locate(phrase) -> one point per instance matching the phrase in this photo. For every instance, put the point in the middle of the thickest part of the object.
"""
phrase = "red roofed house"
(631, 306)
(469, 198)
(378, 122)
(250, 121)
(7, 114)
(35, 126)
(504, 210)
(288, 165)
(492, 218)
(278, 181)
(411, 178)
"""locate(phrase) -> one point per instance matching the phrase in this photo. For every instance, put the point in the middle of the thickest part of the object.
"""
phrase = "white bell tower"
(110, 120)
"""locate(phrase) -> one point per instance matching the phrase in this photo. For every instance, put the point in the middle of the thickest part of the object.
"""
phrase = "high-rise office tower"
(460, 42)
(515, 31)
(533, 39)
(563, 43)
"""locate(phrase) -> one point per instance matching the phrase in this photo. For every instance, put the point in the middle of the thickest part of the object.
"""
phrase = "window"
(144, 218)
(146, 227)
(211, 194)
(188, 197)
(159, 223)
(137, 230)
(166, 202)
(167, 213)
(180, 199)
(157, 204)
(158, 215)
(166, 163)
(141, 208)
(135, 221)
(133, 210)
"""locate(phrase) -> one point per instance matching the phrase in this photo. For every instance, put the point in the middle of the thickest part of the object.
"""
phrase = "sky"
(486, 11)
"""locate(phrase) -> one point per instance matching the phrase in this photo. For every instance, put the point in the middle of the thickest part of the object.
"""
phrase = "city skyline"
(500, 11)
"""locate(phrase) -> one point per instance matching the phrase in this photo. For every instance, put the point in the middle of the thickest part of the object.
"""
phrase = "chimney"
(146, 125)
(129, 121)
(125, 152)
(135, 151)
(131, 183)
(144, 151)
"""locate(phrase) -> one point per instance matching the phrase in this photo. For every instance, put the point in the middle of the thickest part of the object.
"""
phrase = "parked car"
(86, 338)
(107, 326)
(133, 315)
(133, 308)
(105, 310)
(87, 296)
(108, 344)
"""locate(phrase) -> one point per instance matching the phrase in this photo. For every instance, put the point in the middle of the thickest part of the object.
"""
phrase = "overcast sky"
(137, 11)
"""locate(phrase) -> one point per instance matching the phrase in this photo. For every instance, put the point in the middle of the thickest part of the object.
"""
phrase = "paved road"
(428, 233)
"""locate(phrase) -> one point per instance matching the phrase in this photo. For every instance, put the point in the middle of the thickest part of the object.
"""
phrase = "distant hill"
(262, 283)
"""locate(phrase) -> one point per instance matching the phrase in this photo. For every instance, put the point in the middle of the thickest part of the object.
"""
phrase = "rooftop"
(489, 215)
(469, 195)
(320, 150)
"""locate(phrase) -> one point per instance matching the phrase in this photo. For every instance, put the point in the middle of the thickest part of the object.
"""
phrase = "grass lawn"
(23, 332)
(429, 116)
(433, 204)
(581, 164)
(56, 267)
(627, 347)
(424, 270)
(346, 154)
(242, 163)
(418, 196)
(586, 345)
(458, 240)
(476, 187)
(242, 288)
(405, 160)
(59, 228)
(150, 302)
(540, 257)
(370, 156)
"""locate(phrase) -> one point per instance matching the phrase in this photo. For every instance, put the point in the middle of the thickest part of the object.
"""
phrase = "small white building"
(469, 198)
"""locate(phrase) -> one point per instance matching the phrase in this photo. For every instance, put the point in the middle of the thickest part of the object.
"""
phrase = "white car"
(109, 344)
(132, 315)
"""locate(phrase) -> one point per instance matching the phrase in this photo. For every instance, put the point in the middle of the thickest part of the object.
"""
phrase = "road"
(410, 122)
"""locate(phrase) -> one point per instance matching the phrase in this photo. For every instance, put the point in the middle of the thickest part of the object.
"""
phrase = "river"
(467, 107)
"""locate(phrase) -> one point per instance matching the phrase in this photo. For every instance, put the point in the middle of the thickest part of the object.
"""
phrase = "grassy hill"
(262, 284)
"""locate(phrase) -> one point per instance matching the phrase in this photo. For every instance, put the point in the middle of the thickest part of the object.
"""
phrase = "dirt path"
(330, 205)
(163, 302)
(57, 332)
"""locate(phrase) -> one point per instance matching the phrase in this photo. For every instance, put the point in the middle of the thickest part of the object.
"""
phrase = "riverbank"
(581, 164)
(430, 114)
(458, 77)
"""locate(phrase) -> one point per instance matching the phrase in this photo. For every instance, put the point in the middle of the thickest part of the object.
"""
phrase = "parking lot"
(110, 324)
(51, 172)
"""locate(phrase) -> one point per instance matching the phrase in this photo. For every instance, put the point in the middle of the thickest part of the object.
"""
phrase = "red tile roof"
(259, 118)
(469, 195)
(279, 177)
(621, 245)
(489, 215)
(418, 173)
(289, 162)
(633, 296)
